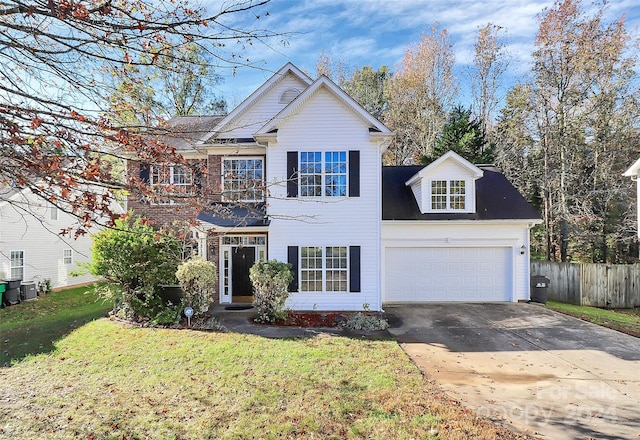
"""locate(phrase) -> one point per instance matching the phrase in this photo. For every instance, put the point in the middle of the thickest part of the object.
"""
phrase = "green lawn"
(32, 327)
(623, 320)
(107, 380)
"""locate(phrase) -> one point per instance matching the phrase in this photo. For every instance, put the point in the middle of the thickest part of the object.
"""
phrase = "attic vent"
(288, 96)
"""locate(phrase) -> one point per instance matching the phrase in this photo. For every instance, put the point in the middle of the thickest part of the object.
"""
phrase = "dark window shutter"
(354, 268)
(144, 172)
(292, 174)
(292, 257)
(354, 174)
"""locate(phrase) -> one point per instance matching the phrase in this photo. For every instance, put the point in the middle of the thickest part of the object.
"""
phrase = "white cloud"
(377, 32)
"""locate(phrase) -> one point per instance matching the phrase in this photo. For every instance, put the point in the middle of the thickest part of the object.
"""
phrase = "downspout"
(379, 241)
(638, 202)
(527, 269)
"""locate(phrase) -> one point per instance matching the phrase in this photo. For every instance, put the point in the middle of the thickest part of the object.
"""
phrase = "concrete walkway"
(536, 370)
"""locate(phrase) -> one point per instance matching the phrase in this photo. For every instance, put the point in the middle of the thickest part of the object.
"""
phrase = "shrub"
(366, 321)
(270, 281)
(197, 278)
(134, 258)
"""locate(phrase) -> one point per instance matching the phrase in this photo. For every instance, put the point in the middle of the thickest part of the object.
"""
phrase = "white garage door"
(448, 274)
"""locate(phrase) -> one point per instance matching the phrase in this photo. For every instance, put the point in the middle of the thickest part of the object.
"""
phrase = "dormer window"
(447, 185)
(448, 195)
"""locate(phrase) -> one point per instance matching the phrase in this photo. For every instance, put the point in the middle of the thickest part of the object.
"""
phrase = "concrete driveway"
(536, 370)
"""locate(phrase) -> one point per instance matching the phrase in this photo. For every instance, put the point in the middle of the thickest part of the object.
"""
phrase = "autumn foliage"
(61, 62)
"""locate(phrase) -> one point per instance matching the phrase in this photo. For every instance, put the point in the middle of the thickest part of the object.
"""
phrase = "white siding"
(324, 123)
(447, 170)
(416, 187)
(462, 234)
(37, 235)
(261, 111)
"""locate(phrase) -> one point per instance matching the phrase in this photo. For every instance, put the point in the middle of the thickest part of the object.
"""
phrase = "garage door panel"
(448, 274)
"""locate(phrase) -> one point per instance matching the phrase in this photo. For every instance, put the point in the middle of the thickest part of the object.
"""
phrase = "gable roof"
(288, 68)
(183, 132)
(633, 169)
(449, 156)
(496, 198)
(325, 82)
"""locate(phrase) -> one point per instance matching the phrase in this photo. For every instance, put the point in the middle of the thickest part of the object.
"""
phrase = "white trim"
(324, 270)
(23, 267)
(246, 158)
(70, 256)
(227, 298)
(244, 105)
(322, 82)
(529, 222)
(205, 227)
(633, 170)
(451, 155)
(469, 196)
(323, 176)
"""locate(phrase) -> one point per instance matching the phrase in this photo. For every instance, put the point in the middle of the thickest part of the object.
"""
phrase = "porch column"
(201, 238)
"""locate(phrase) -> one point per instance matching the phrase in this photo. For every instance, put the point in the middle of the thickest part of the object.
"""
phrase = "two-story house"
(298, 166)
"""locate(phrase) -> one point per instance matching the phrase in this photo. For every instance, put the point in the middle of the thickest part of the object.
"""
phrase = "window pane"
(242, 179)
(311, 269)
(160, 175)
(438, 194)
(336, 269)
(457, 194)
(67, 256)
(335, 167)
(181, 175)
(17, 264)
(310, 174)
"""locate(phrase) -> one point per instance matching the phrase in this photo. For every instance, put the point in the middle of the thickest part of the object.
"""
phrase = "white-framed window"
(177, 175)
(17, 264)
(243, 179)
(323, 174)
(323, 269)
(67, 256)
(53, 212)
(336, 268)
(448, 195)
(311, 269)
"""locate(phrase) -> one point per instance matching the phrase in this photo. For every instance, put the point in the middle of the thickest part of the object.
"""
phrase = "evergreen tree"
(463, 135)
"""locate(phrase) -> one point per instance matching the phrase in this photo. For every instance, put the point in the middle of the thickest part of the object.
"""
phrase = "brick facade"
(166, 214)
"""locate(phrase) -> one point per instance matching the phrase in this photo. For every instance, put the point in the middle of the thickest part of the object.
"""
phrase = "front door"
(242, 258)
(237, 254)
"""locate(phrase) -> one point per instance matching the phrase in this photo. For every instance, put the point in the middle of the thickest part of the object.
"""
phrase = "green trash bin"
(3, 287)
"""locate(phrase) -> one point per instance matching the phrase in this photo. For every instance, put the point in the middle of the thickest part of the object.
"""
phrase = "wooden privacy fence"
(600, 285)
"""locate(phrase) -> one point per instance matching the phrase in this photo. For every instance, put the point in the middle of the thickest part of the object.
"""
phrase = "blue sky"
(377, 32)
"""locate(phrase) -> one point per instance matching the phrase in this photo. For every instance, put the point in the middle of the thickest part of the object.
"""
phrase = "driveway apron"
(536, 370)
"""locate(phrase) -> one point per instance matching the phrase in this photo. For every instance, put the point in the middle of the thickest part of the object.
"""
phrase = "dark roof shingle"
(496, 198)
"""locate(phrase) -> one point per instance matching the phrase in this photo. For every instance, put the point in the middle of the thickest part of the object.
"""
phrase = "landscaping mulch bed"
(311, 319)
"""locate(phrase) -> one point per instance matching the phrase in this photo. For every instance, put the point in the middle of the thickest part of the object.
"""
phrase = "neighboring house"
(31, 248)
(298, 164)
(634, 173)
